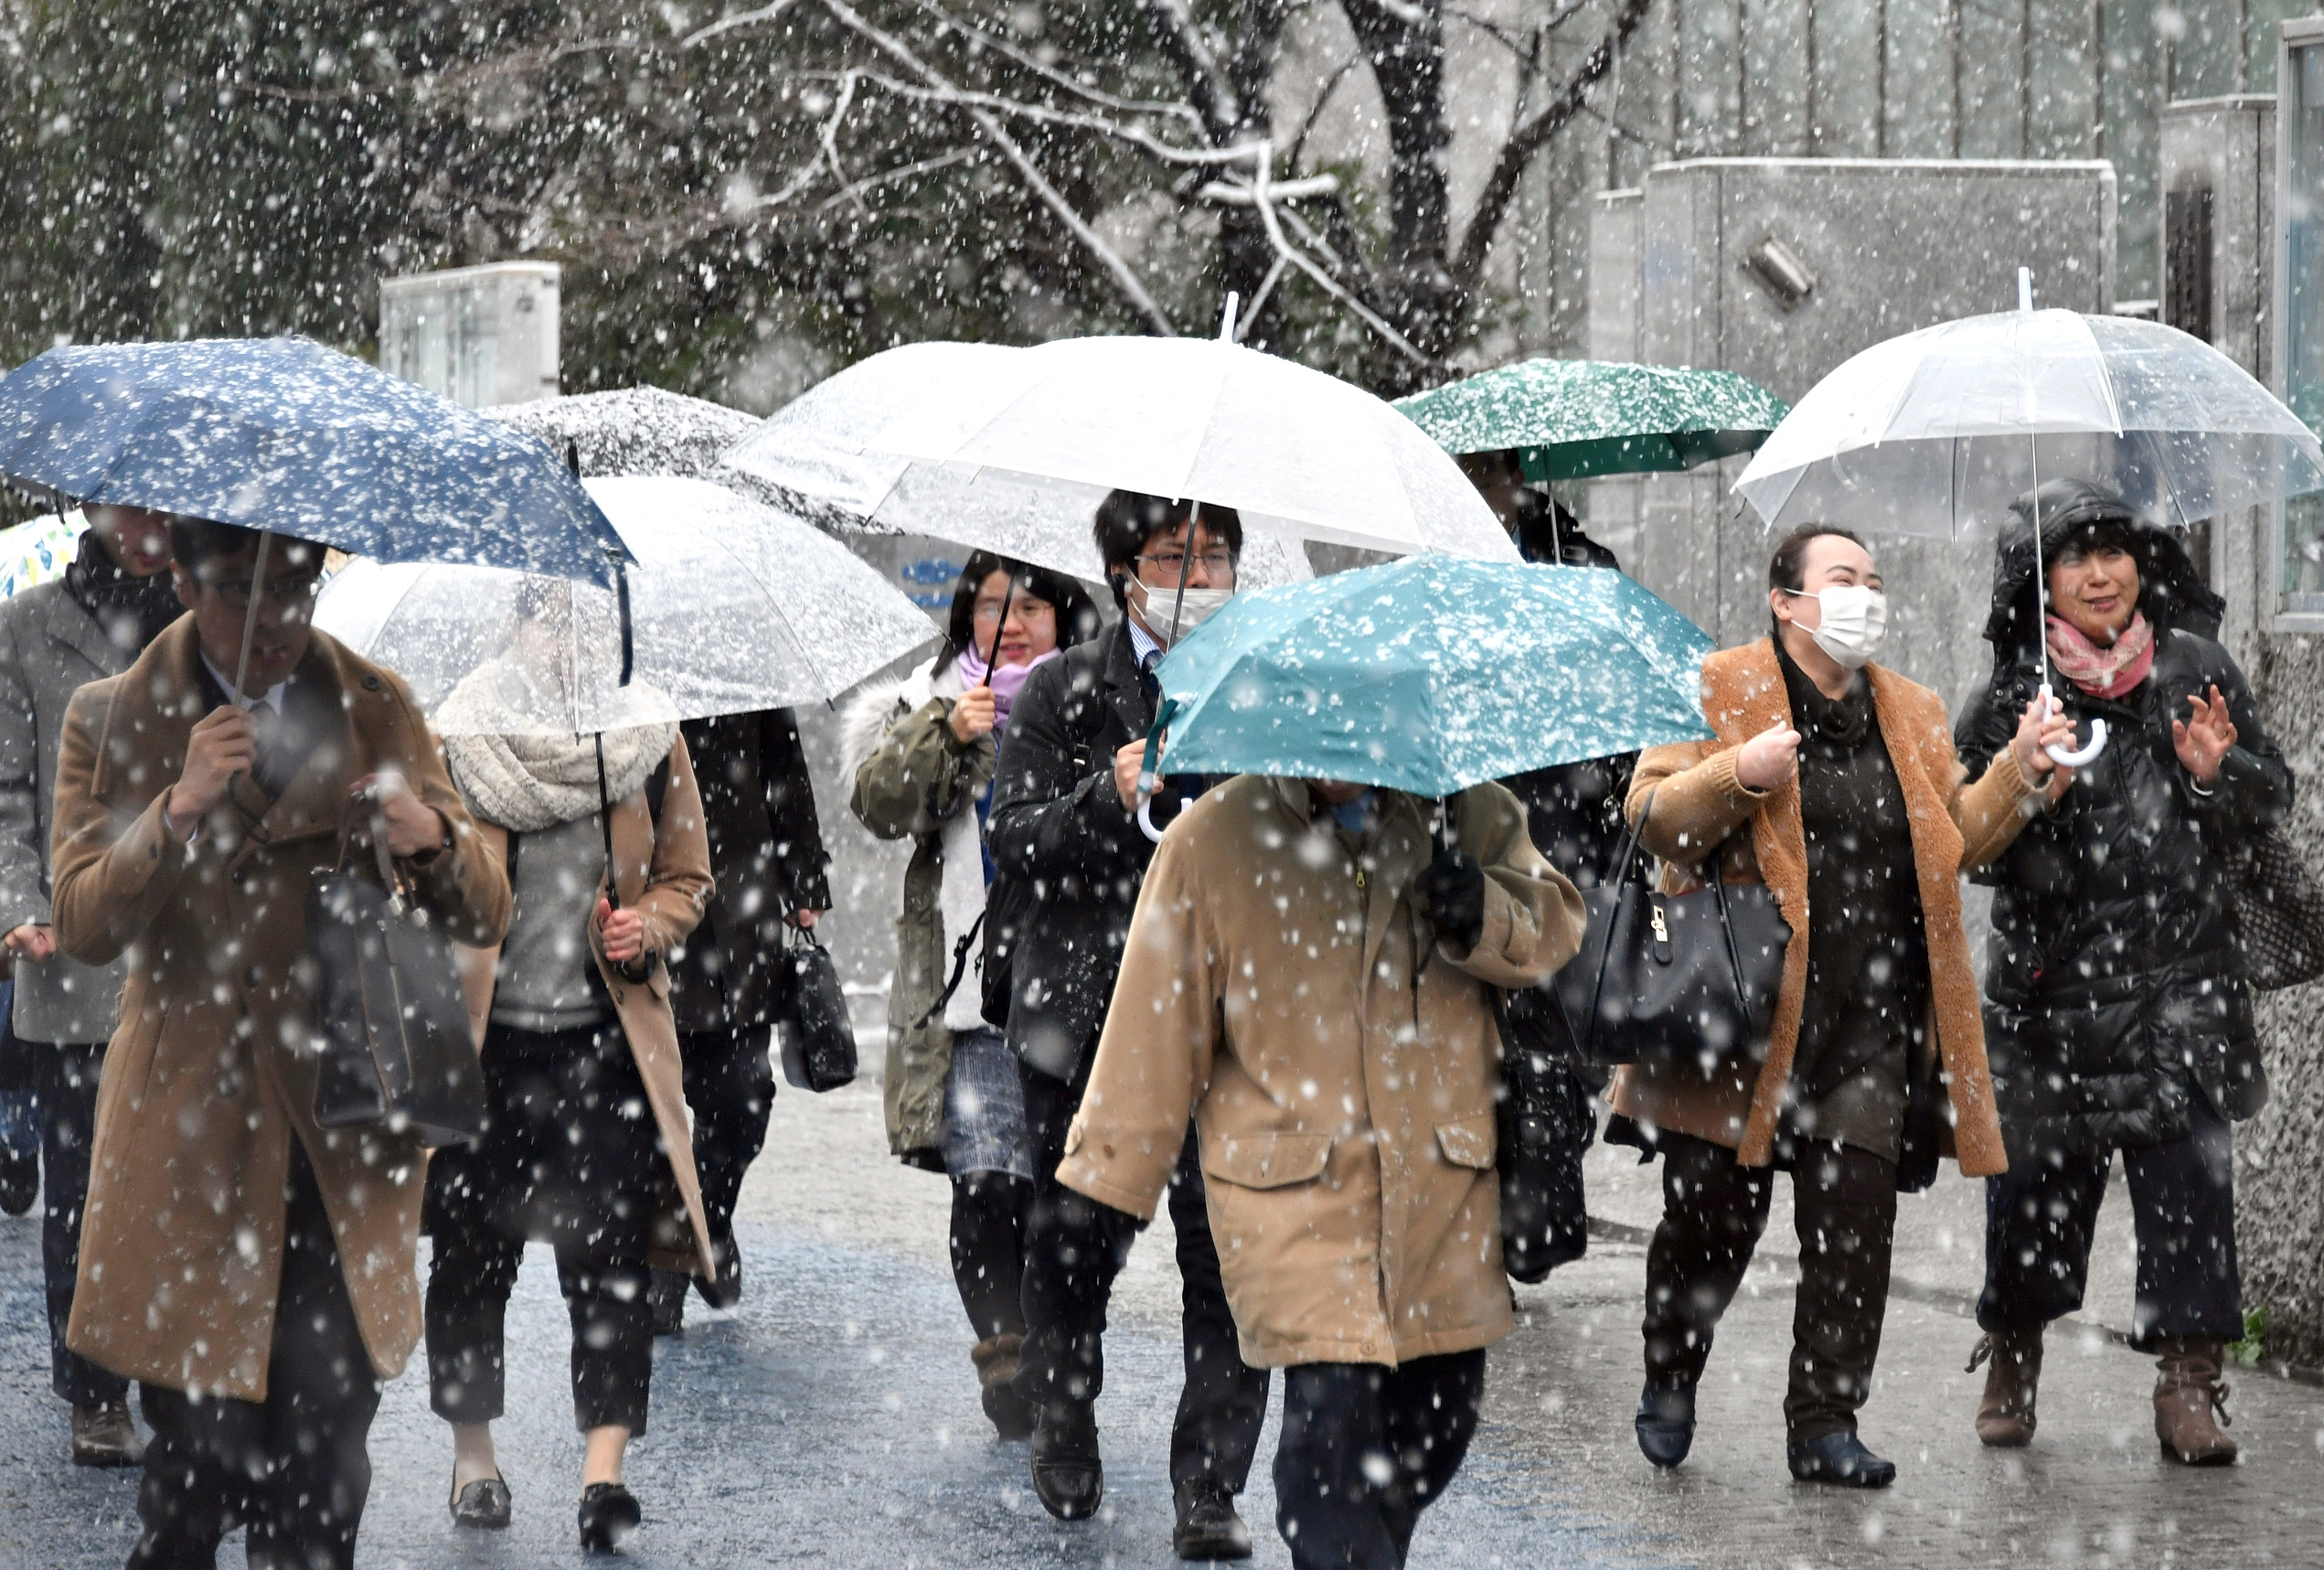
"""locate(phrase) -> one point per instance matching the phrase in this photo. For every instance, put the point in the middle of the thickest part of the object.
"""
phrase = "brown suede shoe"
(106, 1436)
(2005, 1418)
(995, 1359)
(2187, 1394)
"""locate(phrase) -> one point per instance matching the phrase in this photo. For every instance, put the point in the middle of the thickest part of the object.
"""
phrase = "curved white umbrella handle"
(1145, 817)
(2076, 758)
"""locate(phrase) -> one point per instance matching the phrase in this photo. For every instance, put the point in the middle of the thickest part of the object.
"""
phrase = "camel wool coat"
(1697, 806)
(210, 1074)
(1341, 1060)
(663, 872)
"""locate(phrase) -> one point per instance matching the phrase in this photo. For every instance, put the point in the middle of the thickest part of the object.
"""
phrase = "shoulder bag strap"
(1625, 865)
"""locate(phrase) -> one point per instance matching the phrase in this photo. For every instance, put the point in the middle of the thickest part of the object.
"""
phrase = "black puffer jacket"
(2112, 987)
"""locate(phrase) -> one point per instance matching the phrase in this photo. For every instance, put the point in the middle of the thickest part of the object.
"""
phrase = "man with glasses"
(112, 601)
(1065, 831)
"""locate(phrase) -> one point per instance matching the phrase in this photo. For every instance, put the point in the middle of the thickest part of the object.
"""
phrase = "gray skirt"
(984, 1108)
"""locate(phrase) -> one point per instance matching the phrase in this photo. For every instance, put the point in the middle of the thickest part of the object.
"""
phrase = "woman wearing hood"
(920, 753)
(585, 1144)
(2116, 1017)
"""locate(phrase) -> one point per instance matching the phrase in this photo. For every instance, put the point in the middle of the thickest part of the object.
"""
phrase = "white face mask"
(1192, 607)
(1855, 620)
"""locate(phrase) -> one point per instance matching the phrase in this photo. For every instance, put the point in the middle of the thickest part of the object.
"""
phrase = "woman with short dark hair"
(2117, 1016)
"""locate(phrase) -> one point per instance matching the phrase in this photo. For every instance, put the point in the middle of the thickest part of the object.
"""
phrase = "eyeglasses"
(284, 594)
(1217, 564)
(988, 611)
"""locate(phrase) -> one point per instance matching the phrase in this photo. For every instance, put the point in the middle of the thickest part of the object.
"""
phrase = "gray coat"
(48, 647)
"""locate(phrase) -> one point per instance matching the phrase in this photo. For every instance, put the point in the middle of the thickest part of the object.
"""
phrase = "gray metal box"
(479, 335)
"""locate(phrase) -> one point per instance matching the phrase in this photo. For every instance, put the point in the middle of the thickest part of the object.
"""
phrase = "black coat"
(1058, 833)
(2112, 986)
(767, 854)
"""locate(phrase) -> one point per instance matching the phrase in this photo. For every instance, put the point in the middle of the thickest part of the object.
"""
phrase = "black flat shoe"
(1068, 1478)
(19, 1181)
(1841, 1460)
(727, 1290)
(1666, 1425)
(609, 1513)
(483, 1504)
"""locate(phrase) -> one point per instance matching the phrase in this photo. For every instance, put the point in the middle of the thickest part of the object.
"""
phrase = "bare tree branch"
(1055, 77)
(1315, 110)
(1182, 39)
(725, 24)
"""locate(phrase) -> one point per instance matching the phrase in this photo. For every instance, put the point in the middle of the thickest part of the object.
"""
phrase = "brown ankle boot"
(995, 1358)
(2005, 1416)
(2187, 1394)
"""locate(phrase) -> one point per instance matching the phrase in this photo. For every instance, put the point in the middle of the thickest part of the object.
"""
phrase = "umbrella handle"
(1145, 817)
(1148, 777)
(2074, 759)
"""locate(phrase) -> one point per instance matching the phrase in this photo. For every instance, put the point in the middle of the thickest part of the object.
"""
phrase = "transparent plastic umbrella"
(632, 430)
(734, 607)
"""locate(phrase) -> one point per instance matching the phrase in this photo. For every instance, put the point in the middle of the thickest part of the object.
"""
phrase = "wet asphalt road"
(832, 1421)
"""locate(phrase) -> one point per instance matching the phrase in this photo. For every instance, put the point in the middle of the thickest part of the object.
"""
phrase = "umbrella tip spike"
(1226, 316)
(2025, 289)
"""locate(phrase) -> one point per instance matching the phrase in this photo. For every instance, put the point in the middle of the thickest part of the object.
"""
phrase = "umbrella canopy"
(38, 552)
(284, 435)
(1569, 419)
(632, 430)
(1924, 433)
(734, 607)
(981, 428)
(1432, 674)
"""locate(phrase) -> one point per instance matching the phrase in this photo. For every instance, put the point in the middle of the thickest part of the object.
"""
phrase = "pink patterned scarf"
(1007, 681)
(2103, 672)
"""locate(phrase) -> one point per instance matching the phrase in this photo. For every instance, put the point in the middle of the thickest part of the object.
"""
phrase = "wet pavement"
(832, 1420)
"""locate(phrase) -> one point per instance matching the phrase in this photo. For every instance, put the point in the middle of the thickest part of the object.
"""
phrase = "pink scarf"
(1007, 682)
(2103, 672)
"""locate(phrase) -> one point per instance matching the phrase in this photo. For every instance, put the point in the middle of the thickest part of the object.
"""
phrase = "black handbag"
(389, 1010)
(1674, 979)
(818, 1034)
(1545, 1125)
(2278, 914)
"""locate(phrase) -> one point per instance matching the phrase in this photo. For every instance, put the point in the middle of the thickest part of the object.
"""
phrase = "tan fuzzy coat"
(1340, 1060)
(1698, 803)
(210, 1074)
(663, 872)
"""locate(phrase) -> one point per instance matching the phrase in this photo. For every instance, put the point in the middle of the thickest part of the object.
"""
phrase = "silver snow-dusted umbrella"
(632, 430)
(734, 607)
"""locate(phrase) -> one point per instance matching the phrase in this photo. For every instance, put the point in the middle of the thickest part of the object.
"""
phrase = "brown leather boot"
(2005, 1416)
(996, 1359)
(2187, 1393)
(105, 1436)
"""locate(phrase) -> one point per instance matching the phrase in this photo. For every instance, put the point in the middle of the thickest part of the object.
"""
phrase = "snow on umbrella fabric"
(38, 552)
(809, 458)
(1570, 419)
(632, 430)
(286, 435)
(734, 607)
(1431, 675)
(1924, 434)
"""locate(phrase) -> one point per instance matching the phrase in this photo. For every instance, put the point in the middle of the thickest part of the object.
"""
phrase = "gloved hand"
(1453, 886)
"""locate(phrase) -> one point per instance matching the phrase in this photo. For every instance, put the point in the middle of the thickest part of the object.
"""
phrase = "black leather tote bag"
(818, 1035)
(2278, 913)
(393, 1023)
(1545, 1126)
(1674, 978)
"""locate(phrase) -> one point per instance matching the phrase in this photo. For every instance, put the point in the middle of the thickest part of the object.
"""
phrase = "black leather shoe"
(1208, 1526)
(609, 1513)
(1068, 1478)
(1839, 1459)
(1666, 1425)
(19, 1181)
(667, 1295)
(727, 1290)
(483, 1504)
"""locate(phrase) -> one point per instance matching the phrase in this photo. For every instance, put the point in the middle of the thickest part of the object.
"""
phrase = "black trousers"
(296, 1467)
(988, 1242)
(1714, 1209)
(65, 1083)
(729, 1086)
(1365, 1449)
(569, 1153)
(1074, 1247)
(2040, 1214)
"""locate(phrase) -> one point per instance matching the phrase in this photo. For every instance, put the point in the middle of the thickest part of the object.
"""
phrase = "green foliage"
(2247, 1352)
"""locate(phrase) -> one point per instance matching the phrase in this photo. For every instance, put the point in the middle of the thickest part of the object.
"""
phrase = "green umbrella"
(1430, 674)
(1569, 419)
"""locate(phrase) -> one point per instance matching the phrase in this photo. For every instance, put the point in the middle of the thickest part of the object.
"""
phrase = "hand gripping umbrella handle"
(2089, 750)
(1148, 778)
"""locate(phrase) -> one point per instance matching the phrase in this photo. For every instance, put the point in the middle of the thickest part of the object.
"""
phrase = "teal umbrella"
(1429, 675)
(1569, 419)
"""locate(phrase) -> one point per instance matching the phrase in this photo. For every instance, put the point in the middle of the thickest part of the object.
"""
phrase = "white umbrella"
(1012, 448)
(631, 429)
(1923, 432)
(733, 607)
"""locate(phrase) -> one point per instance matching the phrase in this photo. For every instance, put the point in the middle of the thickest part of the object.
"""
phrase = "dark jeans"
(2041, 1213)
(1714, 1209)
(569, 1154)
(1365, 1449)
(1075, 1246)
(67, 1084)
(294, 1468)
(730, 1084)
